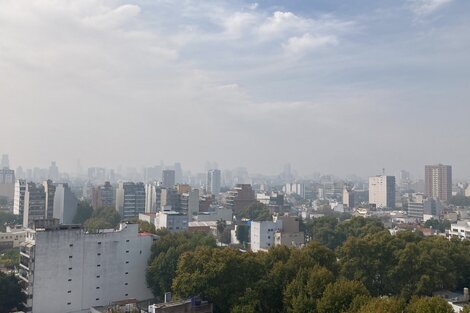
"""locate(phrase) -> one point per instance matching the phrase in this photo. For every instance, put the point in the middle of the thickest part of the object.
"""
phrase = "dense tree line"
(11, 296)
(352, 266)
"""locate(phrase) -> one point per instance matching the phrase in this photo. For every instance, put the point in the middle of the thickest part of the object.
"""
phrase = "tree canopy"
(84, 212)
(11, 296)
(256, 212)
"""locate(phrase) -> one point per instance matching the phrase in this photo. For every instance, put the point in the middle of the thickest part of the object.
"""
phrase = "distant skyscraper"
(168, 179)
(103, 196)
(49, 189)
(53, 172)
(213, 182)
(382, 191)
(438, 181)
(7, 183)
(178, 173)
(130, 199)
(5, 161)
(65, 204)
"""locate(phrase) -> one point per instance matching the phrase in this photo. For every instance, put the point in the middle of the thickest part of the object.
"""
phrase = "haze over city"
(337, 87)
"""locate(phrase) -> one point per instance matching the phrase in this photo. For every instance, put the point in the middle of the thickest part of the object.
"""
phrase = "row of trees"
(101, 218)
(348, 266)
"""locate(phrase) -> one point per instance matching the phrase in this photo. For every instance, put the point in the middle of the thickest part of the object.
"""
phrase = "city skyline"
(329, 86)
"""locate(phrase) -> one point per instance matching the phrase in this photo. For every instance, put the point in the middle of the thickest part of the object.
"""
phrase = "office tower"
(178, 173)
(348, 197)
(34, 204)
(130, 199)
(53, 171)
(18, 202)
(438, 181)
(103, 196)
(7, 183)
(65, 204)
(170, 198)
(240, 197)
(168, 179)
(67, 269)
(49, 188)
(153, 195)
(213, 182)
(190, 202)
(382, 191)
(5, 162)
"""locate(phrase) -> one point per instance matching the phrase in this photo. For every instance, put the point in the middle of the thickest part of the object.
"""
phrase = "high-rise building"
(67, 269)
(103, 196)
(213, 182)
(348, 197)
(178, 173)
(152, 198)
(438, 181)
(5, 163)
(18, 201)
(170, 198)
(382, 191)
(7, 183)
(53, 171)
(34, 204)
(168, 179)
(190, 203)
(240, 197)
(49, 188)
(130, 199)
(65, 204)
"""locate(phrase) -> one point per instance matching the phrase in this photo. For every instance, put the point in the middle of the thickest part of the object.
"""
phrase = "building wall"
(382, 191)
(262, 234)
(18, 202)
(438, 181)
(74, 270)
(172, 221)
(34, 204)
(65, 204)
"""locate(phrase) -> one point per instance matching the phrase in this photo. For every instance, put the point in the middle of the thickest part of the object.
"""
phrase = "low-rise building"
(461, 229)
(12, 238)
(64, 268)
(171, 220)
(193, 305)
(262, 234)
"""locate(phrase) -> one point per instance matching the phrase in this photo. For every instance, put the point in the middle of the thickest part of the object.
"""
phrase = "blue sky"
(331, 86)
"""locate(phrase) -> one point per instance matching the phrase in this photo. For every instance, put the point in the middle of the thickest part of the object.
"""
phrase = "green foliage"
(8, 218)
(146, 227)
(165, 254)
(10, 258)
(10, 293)
(439, 225)
(429, 305)
(256, 212)
(96, 223)
(341, 295)
(383, 305)
(466, 309)
(103, 218)
(84, 212)
(243, 233)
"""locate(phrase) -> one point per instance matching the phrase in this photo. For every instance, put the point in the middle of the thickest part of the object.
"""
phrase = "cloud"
(426, 7)
(308, 43)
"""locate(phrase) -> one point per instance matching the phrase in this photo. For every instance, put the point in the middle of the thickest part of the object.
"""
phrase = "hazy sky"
(328, 85)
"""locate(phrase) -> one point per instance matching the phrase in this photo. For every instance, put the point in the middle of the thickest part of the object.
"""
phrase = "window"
(71, 245)
(99, 242)
(127, 273)
(127, 251)
(70, 256)
(126, 294)
(70, 291)
(98, 276)
(70, 279)
(97, 287)
(69, 303)
(97, 299)
(127, 240)
(126, 284)
(70, 268)
(127, 262)
(99, 254)
(98, 265)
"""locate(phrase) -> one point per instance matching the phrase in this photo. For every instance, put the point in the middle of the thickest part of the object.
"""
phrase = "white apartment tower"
(65, 204)
(382, 191)
(18, 200)
(213, 182)
(66, 269)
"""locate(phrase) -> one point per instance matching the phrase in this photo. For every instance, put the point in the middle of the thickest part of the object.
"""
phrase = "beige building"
(382, 191)
(438, 181)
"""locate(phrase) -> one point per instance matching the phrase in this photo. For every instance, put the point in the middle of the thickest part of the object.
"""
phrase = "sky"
(330, 86)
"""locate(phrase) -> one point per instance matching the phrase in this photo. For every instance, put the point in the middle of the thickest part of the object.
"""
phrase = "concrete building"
(171, 220)
(168, 179)
(130, 199)
(153, 194)
(213, 182)
(53, 171)
(348, 197)
(103, 196)
(65, 269)
(193, 305)
(5, 163)
(49, 189)
(170, 198)
(65, 204)
(461, 230)
(220, 213)
(262, 234)
(190, 203)
(12, 238)
(438, 182)
(382, 191)
(240, 197)
(34, 204)
(18, 200)
(7, 183)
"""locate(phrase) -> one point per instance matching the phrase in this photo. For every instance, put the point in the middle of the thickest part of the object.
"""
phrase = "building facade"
(382, 191)
(130, 199)
(168, 178)
(240, 197)
(34, 204)
(213, 182)
(65, 269)
(65, 204)
(18, 201)
(438, 181)
(263, 234)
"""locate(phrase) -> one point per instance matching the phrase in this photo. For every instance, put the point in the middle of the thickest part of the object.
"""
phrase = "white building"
(18, 201)
(65, 269)
(65, 204)
(171, 220)
(213, 182)
(220, 213)
(34, 204)
(461, 229)
(262, 234)
(382, 191)
(12, 238)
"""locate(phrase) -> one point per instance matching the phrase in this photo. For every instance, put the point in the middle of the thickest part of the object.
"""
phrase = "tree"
(438, 225)
(383, 305)
(243, 233)
(429, 305)
(84, 212)
(10, 258)
(7, 219)
(341, 295)
(11, 296)
(146, 227)
(165, 254)
(96, 223)
(109, 214)
(256, 212)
